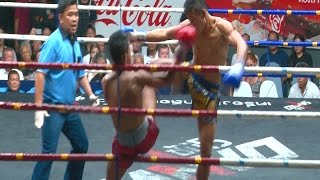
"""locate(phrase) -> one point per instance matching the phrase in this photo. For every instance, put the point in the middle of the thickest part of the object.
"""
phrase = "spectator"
(9, 55)
(254, 82)
(299, 53)
(1, 42)
(99, 58)
(36, 45)
(137, 58)
(152, 52)
(36, 17)
(135, 47)
(46, 31)
(37, 56)
(86, 17)
(102, 45)
(104, 48)
(26, 53)
(274, 54)
(13, 82)
(90, 32)
(304, 88)
(163, 51)
(49, 17)
(93, 50)
(278, 56)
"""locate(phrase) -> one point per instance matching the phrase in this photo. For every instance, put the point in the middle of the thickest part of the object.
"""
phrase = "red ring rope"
(105, 109)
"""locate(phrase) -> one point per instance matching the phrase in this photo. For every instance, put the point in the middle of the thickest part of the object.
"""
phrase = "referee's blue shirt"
(60, 85)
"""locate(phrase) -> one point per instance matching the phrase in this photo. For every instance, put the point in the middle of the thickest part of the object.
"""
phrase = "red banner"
(258, 25)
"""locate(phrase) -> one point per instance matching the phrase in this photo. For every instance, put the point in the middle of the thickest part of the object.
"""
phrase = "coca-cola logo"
(276, 22)
(129, 18)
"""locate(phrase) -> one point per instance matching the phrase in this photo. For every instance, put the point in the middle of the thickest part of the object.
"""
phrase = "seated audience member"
(254, 82)
(102, 45)
(99, 58)
(136, 47)
(1, 42)
(304, 88)
(9, 55)
(26, 53)
(163, 51)
(93, 50)
(46, 31)
(299, 53)
(137, 58)
(152, 53)
(13, 82)
(90, 32)
(278, 56)
(36, 45)
(274, 54)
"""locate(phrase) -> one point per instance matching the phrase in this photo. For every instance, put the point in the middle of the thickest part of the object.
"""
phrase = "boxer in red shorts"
(135, 134)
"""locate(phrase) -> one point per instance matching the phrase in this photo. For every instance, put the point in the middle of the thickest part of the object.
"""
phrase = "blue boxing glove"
(134, 35)
(127, 29)
(234, 75)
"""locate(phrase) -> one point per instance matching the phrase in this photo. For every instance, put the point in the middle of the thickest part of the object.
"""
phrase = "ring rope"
(312, 164)
(174, 10)
(105, 109)
(91, 39)
(155, 112)
(289, 71)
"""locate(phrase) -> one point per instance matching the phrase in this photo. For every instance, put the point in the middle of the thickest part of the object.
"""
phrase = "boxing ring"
(281, 120)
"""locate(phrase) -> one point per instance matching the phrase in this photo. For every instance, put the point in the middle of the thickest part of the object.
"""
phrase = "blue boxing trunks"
(205, 95)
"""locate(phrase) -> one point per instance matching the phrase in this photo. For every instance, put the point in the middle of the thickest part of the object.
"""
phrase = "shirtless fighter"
(214, 35)
(136, 134)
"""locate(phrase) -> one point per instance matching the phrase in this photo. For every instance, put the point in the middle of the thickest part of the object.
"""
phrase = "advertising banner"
(110, 21)
(257, 26)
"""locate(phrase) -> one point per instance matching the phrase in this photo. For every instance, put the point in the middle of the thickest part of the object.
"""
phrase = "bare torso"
(211, 48)
(130, 97)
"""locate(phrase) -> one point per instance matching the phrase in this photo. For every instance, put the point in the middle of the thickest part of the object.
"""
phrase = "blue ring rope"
(264, 11)
(282, 43)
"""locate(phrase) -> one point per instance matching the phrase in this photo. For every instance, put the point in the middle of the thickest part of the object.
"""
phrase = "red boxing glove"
(187, 34)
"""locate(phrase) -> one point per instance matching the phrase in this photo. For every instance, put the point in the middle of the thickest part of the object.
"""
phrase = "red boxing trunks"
(140, 141)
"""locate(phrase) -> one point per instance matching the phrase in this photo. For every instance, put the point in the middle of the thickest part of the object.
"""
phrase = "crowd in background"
(44, 22)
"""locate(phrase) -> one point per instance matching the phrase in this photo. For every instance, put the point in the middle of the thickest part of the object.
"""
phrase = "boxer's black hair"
(63, 4)
(118, 46)
(194, 5)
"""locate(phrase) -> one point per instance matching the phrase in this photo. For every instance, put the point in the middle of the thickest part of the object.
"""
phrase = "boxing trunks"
(140, 141)
(205, 95)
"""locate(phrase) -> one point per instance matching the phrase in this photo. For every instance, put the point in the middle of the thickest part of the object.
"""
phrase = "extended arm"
(234, 75)
(165, 34)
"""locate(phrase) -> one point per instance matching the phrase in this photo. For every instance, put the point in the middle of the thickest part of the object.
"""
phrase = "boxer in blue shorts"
(205, 95)
(214, 35)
